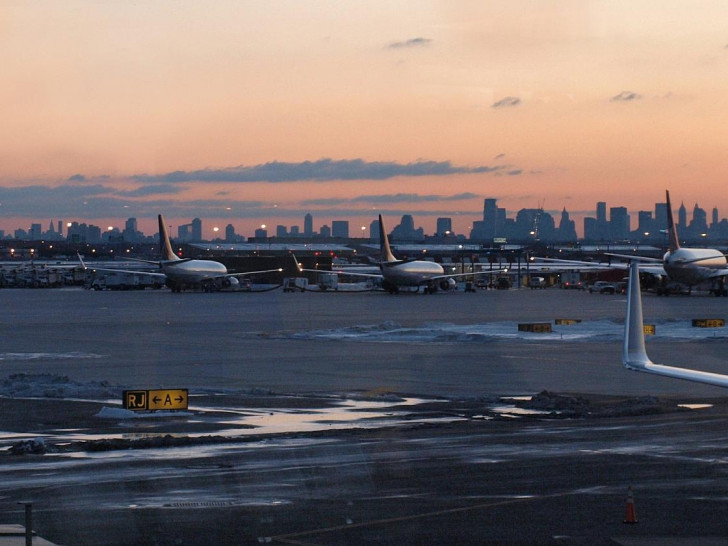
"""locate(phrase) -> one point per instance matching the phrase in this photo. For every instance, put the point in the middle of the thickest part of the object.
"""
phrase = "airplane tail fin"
(671, 227)
(385, 252)
(166, 247)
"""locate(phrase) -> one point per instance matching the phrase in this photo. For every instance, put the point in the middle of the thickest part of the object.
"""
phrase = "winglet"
(83, 264)
(634, 354)
(165, 246)
(296, 263)
(385, 252)
(671, 227)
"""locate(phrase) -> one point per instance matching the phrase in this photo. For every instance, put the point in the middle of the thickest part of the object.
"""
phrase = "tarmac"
(464, 476)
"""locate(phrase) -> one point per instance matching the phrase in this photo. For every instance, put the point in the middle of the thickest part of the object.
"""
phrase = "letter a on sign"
(168, 399)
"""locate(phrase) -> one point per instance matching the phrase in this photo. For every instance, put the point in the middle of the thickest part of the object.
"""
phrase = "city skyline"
(613, 223)
(240, 114)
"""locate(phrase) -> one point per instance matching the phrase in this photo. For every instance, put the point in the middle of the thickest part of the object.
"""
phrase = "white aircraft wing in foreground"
(634, 354)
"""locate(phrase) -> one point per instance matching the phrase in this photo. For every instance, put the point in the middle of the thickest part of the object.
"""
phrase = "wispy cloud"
(146, 191)
(390, 198)
(322, 170)
(626, 96)
(413, 42)
(506, 102)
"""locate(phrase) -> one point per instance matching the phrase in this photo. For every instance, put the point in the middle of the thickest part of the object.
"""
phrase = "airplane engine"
(448, 284)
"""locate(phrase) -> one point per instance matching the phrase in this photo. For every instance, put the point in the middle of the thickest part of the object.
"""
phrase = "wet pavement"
(295, 438)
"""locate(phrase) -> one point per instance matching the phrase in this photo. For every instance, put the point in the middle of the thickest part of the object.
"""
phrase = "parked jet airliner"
(689, 266)
(397, 274)
(182, 273)
(634, 355)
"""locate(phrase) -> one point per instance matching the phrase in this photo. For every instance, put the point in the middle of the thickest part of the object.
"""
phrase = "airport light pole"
(28, 522)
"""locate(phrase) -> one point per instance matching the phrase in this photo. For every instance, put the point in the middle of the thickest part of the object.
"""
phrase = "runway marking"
(291, 538)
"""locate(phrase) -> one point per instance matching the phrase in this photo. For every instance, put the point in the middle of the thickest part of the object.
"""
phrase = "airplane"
(634, 354)
(397, 274)
(182, 273)
(688, 266)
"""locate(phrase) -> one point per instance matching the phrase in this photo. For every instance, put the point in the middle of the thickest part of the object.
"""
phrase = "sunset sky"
(258, 112)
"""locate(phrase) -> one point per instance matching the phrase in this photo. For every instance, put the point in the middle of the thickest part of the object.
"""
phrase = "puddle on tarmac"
(344, 414)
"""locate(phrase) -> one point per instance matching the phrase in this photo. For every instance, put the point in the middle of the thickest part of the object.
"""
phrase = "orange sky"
(566, 103)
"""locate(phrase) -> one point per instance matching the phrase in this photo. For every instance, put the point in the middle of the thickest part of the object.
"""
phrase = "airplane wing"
(653, 266)
(425, 281)
(634, 354)
(718, 273)
(247, 273)
(568, 265)
(471, 274)
(351, 273)
(120, 269)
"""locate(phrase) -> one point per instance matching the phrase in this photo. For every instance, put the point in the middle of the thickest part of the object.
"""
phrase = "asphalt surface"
(468, 479)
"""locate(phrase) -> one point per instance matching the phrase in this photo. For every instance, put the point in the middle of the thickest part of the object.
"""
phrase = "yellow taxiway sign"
(158, 399)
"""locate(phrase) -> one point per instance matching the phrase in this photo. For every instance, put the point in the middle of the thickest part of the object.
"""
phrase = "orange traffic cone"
(631, 515)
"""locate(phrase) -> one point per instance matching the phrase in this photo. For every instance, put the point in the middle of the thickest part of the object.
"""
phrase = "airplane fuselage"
(413, 273)
(194, 273)
(692, 266)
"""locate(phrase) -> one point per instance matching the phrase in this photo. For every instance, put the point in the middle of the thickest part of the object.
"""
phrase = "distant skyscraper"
(490, 218)
(35, 233)
(130, 232)
(682, 217)
(325, 232)
(567, 228)
(93, 233)
(281, 231)
(340, 229)
(444, 227)
(183, 233)
(660, 217)
(699, 223)
(619, 223)
(602, 212)
(534, 224)
(644, 223)
(591, 232)
(406, 231)
(715, 220)
(374, 230)
(308, 225)
(493, 223)
(230, 236)
(196, 231)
